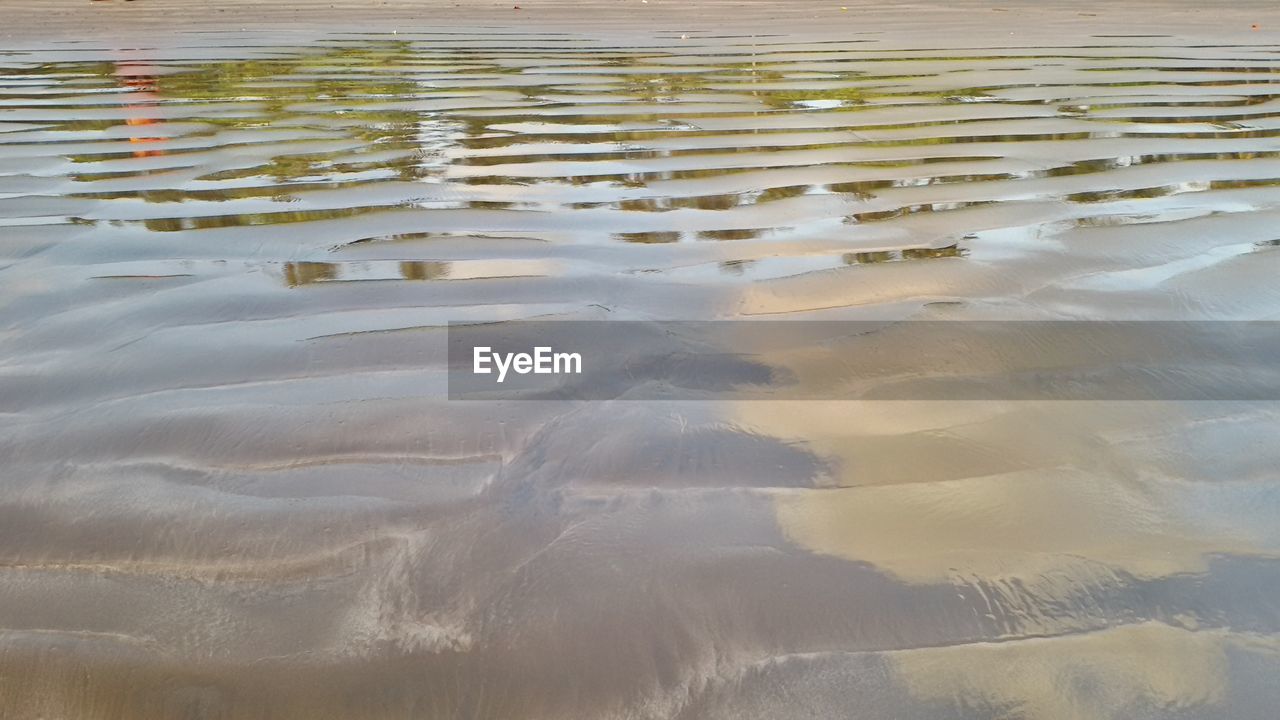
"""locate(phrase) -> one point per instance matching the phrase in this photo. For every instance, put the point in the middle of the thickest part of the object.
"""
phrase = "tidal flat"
(233, 485)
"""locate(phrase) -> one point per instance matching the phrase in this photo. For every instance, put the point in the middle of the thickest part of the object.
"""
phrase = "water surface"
(233, 487)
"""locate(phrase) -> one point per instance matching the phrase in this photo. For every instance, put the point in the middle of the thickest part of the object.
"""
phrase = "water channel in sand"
(233, 487)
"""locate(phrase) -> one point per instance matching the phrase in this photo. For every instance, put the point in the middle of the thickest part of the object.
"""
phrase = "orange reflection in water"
(142, 102)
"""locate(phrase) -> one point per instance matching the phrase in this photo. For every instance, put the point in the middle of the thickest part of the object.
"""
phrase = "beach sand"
(949, 23)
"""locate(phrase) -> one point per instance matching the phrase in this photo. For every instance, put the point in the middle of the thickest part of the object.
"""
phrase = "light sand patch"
(1023, 525)
(1084, 677)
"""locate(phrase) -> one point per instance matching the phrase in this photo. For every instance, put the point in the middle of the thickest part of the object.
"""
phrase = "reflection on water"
(234, 488)
(879, 256)
(306, 273)
(143, 94)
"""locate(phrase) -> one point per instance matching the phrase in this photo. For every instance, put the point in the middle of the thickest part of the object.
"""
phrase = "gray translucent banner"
(826, 360)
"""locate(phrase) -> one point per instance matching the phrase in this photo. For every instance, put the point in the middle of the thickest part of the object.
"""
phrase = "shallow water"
(233, 486)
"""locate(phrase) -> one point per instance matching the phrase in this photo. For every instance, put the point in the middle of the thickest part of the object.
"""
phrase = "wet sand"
(234, 487)
(947, 24)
